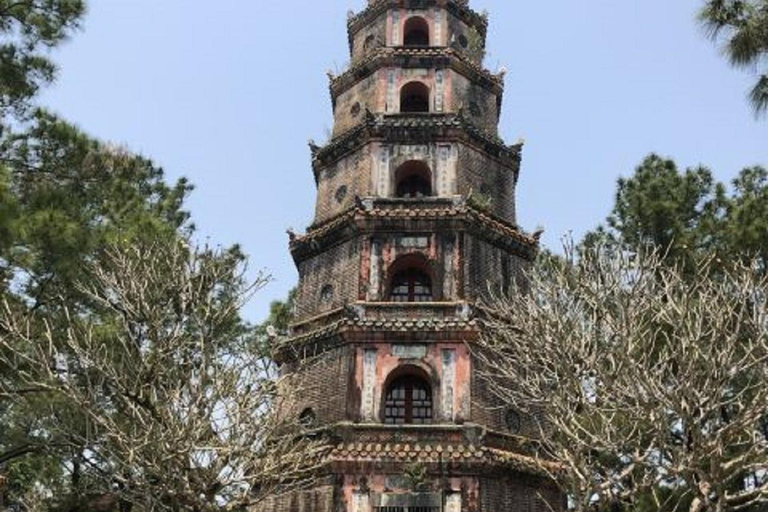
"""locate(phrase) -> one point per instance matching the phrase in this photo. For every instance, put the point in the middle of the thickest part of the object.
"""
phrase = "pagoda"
(414, 226)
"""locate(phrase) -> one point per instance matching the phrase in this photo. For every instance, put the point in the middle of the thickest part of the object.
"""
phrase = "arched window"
(408, 402)
(416, 32)
(414, 179)
(414, 97)
(411, 285)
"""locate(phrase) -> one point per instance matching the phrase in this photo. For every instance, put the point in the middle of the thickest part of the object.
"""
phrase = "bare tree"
(645, 380)
(171, 400)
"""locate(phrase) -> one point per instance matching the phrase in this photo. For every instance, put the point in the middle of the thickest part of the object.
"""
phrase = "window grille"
(411, 286)
(409, 402)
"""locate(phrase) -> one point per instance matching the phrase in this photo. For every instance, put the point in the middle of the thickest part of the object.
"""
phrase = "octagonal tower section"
(415, 225)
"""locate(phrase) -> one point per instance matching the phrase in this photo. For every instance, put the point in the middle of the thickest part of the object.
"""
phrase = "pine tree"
(743, 24)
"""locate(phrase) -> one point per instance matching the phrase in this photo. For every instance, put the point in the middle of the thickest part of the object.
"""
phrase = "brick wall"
(324, 386)
(320, 499)
(520, 494)
(371, 37)
(353, 173)
(489, 180)
(490, 269)
(479, 104)
(457, 32)
(336, 270)
(489, 411)
(350, 106)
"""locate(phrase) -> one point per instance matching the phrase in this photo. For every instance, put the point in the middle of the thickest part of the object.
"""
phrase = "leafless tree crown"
(645, 378)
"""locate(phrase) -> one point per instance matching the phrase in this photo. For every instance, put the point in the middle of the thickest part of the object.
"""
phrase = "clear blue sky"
(228, 92)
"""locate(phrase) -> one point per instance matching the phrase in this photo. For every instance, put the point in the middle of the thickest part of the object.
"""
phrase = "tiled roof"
(375, 123)
(426, 324)
(323, 332)
(439, 453)
(385, 54)
(499, 225)
(406, 212)
(319, 230)
(390, 325)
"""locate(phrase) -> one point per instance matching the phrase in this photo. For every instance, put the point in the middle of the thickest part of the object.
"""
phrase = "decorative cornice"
(405, 57)
(404, 325)
(442, 454)
(357, 220)
(459, 8)
(321, 335)
(409, 127)
(457, 448)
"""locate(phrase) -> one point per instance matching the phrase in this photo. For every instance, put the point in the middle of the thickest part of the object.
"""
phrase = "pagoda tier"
(383, 23)
(414, 230)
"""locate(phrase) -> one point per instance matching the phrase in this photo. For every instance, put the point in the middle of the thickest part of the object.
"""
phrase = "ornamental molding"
(409, 128)
(403, 215)
(406, 57)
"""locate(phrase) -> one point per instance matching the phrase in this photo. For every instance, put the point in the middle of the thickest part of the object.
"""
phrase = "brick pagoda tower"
(414, 224)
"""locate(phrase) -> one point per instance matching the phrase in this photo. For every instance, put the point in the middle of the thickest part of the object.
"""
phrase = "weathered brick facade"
(415, 225)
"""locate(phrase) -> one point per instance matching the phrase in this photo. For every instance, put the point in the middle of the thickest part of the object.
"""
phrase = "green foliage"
(28, 28)
(743, 24)
(747, 215)
(65, 197)
(281, 312)
(476, 45)
(688, 213)
(417, 477)
(663, 207)
(70, 194)
(8, 214)
(690, 217)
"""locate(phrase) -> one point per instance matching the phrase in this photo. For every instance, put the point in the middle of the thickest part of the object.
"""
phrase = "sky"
(227, 93)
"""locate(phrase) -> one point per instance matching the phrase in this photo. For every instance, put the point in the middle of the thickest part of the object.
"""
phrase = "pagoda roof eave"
(345, 328)
(353, 221)
(408, 127)
(389, 56)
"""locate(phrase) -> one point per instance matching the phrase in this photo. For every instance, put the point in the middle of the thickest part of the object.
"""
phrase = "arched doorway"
(414, 98)
(413, 179)
(416, 32)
